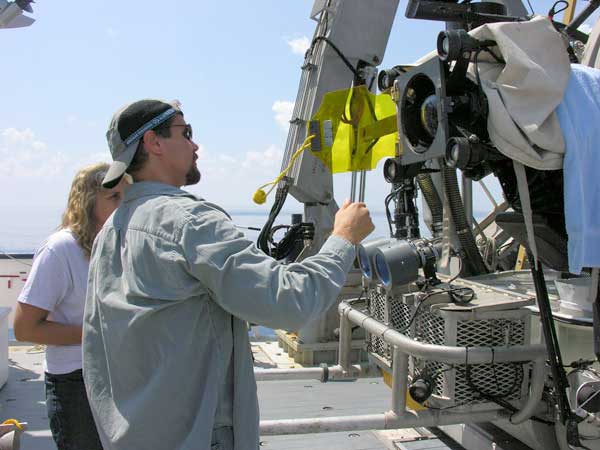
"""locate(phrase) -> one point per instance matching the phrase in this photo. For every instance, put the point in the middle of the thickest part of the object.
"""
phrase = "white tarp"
(524, 92)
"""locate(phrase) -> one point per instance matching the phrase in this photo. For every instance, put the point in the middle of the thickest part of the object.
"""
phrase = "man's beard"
(193, 175)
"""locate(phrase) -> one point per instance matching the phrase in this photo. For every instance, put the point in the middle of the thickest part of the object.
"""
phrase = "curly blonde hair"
(79, 215)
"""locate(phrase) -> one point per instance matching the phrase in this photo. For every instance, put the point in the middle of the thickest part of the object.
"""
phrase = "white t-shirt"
(57, 283)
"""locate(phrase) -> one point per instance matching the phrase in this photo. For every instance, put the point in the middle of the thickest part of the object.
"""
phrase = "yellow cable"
(260, 196)
(14, 422)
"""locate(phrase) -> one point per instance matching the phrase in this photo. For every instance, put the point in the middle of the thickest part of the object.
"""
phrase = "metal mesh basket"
(454, 386)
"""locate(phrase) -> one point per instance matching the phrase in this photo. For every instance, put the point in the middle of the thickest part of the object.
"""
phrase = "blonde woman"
(50, 307)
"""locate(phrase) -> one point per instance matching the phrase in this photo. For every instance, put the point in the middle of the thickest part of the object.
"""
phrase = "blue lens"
(364, 263)
(382, 269)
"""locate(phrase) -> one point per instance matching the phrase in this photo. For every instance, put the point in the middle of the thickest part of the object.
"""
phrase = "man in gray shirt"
(166, 356)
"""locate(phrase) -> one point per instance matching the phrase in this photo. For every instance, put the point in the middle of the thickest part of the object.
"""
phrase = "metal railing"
(400, 416)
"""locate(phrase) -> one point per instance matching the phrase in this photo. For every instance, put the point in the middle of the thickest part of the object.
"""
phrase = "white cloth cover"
(524, 92)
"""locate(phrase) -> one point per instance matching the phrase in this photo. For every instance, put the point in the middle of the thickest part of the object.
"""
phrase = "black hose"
(473, 263)
(434, 202)
(263, 238)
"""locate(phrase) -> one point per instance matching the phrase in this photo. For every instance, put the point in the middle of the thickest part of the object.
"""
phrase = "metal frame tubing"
(385, 421)
(345, 342)
(343, 370)
(442, 353)
(404, 346)
(399, 416)
(322, 373)
(399, 381)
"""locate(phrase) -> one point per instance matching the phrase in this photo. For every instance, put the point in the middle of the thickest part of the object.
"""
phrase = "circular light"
(383, 80)
(442, 46)
(391, 170)
(386, 78)
(364, 263)
(450, 44)
(416, 90)
(382, 269)
(429, 116)
(421, 389)
(458, 152)
(455, 152)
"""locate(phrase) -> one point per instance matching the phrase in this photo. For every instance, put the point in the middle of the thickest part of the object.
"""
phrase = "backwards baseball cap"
(127, 128)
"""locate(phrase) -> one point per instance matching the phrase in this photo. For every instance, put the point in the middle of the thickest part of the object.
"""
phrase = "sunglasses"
(187, 130)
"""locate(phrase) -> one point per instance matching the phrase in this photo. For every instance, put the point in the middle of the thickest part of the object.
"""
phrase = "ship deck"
(23, 398)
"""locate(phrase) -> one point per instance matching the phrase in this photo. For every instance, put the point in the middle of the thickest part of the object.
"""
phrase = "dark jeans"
(71, 420)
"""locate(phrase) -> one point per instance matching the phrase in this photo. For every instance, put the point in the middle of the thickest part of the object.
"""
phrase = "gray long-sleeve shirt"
(172, 282)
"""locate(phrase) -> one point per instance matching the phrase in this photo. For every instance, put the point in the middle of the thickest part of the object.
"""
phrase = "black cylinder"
(473, 263)
(434, 202)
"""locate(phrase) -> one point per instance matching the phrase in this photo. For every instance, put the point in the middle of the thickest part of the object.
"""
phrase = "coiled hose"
(473, 263)
(434, 202)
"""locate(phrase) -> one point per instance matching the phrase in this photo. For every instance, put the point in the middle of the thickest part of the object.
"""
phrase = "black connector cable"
(295, 233)
(263, 238)
(463, 294)
(281, 193)
(337, 50)
(553, 11)
(498, 398)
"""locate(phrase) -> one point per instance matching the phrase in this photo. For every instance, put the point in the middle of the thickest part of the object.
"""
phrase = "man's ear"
(152, 143)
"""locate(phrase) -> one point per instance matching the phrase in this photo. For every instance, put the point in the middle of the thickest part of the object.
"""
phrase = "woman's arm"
(31, 326)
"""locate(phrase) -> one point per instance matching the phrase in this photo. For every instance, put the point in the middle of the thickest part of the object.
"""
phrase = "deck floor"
(23, 398)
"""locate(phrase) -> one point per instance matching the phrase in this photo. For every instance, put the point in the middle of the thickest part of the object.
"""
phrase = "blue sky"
(234, 66)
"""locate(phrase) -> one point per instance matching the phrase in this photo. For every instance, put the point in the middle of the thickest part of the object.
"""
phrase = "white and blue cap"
(127, 128)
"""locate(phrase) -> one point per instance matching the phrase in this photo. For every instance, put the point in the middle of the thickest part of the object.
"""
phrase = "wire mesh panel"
(377, 306)
(440, 322)
(400, 315)
(468, 384)
(430, 329)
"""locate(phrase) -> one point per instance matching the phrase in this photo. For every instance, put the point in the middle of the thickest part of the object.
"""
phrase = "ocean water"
(25, 234)
(243, 219)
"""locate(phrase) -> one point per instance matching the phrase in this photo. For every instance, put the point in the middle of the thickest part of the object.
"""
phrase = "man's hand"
(353, 222)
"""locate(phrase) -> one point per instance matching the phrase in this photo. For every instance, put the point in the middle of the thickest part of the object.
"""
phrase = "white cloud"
(266, 161)
(269, 158)
(299, 45)
(585, 28)
(24, 156)
(230, 179)
(283, 113)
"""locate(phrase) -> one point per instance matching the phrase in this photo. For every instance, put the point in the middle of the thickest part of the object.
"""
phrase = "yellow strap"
(14, 422)
(380, 128)
(260, 196)
(521, 257)
(569, 12)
